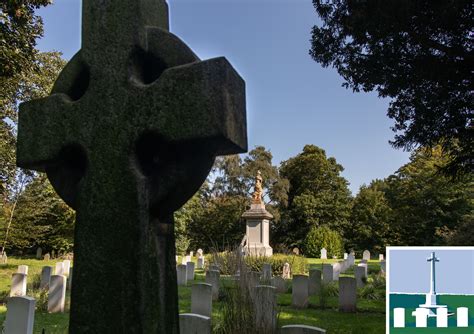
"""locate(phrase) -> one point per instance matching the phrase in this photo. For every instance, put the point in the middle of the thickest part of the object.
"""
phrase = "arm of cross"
(43, 126)
(202, 101)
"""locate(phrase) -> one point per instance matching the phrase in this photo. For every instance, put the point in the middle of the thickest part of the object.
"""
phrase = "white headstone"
(188, 258)
(399, 317)
(328, 274)
(336, 271)
(421, 315)
(190, 323)
(442, 317)
(190, 271)
(20, 315)
(200, 252)
(66, 267)
(212, 277)
(462, 316)
(200, 262)
(183, 260)
(45, 277)
(181, 273)
(381, 257)
(347, 294)
(366, 268)
(18, 285)
(351, 259)
(22, 269)
(59, 268)
(314, 284)
(57, 294)
(265, 309)
(366, 255)
(300, 297)
(359, 274)
(47, 257)
(324, 253)
(191, 254)
(201, 299)
(301, 329)
(286, 271)
(345, 256)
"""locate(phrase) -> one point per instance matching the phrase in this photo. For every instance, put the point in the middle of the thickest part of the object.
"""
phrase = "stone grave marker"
(324, 253)
(66, 267)
(190, 323)
(200, 262)
(4, 258)
(46, 257)
(39, 253)
(359, 273)
(22, 269)
(299, 296)
(301, 329)
(214, 267)
(279, 284)
(381, 257)
(212, 277)
(18, 287)
(46, 272)
(201, 299)
(181, 274)
(128, 135)
(314, 284)
(382, 266)
(200, 252)
(191, 254)
(366, 255)
(190, 271)
(366, 268)
(328, 273)
(351, 259)
(267, 272)
(336, 271)
(59, 269)
(265, 309)
(286, 271)
(345, 256)
(347, 294)
(20, 315)
(57, 294)
(188, 258)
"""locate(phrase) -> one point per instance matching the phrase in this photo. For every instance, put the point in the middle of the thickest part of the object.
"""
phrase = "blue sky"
(410, 272)
(291, 100)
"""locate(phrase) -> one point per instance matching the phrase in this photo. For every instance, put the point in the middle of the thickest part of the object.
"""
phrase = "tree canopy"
(419, 54)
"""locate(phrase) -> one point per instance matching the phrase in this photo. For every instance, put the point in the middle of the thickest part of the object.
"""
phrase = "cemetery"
(137, 195)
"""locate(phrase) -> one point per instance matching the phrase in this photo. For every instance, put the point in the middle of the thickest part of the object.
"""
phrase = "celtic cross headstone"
(128, 135)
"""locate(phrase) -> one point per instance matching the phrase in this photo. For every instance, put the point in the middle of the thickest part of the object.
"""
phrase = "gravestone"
(201, 299)
(399, 317)
(200, 262)
(347, 294)
(345, 256)
(200, 252)
(181, 274)
(190, 323)
(336, 271)
(462, 317)
(267, 272)
(366, 255)
(190, 271)
(39, 253)
(66, 267)
(59, 269)
(359, 274)
(22, 269)
(286, 271)
(324, 253)
(214, 267)
(254, 279)
(328, 273)
(314, 285)
(351, 259)
(57, 294)
(382, 266)
(301, 329)
(299, 296)
(18, 287)
(46, 272)
(129, 134)
(296, 251)
(381, 258)
(20, 315)
(279, 284)
(265, 309)
(46, 257)
(191, 254)
(212, 277)
(366, 268)
(188, 258)
(3, 258)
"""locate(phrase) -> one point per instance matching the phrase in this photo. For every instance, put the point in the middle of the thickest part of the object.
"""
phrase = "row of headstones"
(365, 255)
(56, 284)
(421, 316)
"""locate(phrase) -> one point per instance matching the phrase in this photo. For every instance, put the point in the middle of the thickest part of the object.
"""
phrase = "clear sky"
(410, 272)
(291, 100)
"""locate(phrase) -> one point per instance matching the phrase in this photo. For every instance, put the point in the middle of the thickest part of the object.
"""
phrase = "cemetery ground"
(369, 318)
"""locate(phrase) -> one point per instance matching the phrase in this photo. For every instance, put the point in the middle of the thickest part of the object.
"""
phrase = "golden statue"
(258, 189)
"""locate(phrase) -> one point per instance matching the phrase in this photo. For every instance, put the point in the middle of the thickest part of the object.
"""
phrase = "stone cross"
(433, 259)
(128, 135)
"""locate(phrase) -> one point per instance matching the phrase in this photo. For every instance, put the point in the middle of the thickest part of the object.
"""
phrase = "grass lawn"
(369, 319)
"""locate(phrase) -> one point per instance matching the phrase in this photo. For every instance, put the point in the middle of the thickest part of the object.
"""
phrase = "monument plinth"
(258, 224)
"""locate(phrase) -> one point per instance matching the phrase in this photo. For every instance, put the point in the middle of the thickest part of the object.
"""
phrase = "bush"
(228, 263)
(323, 237)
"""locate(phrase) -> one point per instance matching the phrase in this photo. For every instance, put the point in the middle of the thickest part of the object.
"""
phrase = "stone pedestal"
(258, 230)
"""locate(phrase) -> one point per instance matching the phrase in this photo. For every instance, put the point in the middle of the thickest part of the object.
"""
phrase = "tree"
(419, 54)
(370, 219)
(323, 237)
(318, 195)
(19, 29)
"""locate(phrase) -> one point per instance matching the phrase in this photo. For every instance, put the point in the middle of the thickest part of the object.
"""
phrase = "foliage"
(370, 218)
(228, 262)
(327, 290)
(419, 54)
(319, 237)
(374, 289)
(318, 194)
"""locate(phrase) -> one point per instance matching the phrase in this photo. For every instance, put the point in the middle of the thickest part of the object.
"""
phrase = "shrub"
(323, 237)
